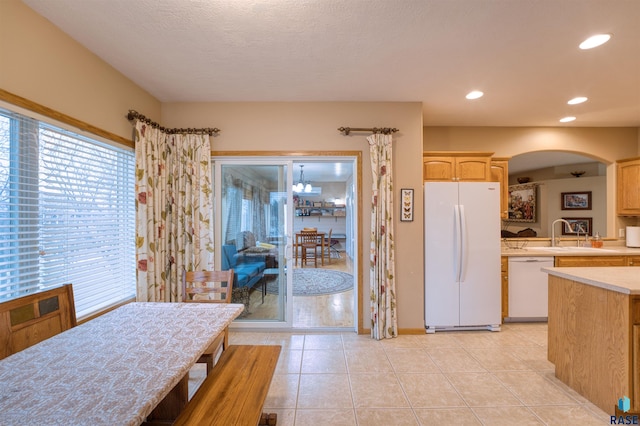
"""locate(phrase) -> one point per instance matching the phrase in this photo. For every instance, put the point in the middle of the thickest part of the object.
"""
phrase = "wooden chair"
(332, 243)
(308, 242)
(35, 317)
(297, 246)
(209, 287)
(328, 245)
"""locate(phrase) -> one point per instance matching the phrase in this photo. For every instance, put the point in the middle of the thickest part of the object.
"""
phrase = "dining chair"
(35, 317)
(297, 246)
(209, 287)
(332, 243)
(308, 241)
(329, 245)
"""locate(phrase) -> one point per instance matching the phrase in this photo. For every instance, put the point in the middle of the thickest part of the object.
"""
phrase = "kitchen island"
(594, 332)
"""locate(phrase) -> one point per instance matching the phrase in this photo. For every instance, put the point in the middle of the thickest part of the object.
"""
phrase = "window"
(247, 216)
(67, 214)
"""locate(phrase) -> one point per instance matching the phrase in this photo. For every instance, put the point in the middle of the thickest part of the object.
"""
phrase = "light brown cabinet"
(504, 277)
(633, 260)
(500, 173)
(456, 166)
(628, 187)
(594, 341)
(587, 261)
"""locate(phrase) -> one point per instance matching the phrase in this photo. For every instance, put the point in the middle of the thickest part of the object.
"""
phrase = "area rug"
(315, 282)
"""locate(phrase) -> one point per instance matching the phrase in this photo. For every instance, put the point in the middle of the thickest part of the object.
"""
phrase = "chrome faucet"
(553, 230)
(578, 229)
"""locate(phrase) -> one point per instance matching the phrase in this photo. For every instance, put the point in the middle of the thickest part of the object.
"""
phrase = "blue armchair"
(248, 270)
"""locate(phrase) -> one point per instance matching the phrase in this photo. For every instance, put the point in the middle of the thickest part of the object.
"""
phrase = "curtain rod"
(383, 130)
(135, 115)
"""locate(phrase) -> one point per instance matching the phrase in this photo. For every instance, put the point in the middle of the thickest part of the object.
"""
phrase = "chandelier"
(302, 186)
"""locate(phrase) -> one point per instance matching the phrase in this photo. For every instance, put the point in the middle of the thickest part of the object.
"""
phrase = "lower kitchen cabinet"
(633, 260)
(504, 278)
(587, 261)
(515, 292)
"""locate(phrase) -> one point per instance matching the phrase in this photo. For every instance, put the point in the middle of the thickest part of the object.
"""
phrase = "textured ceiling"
(523, 54)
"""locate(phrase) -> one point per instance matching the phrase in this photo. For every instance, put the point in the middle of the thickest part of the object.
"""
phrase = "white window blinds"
(67, 214)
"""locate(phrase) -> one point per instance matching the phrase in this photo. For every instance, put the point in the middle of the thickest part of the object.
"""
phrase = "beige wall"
(44, 65)
(606, 144)
(300, 127)
(41, 63)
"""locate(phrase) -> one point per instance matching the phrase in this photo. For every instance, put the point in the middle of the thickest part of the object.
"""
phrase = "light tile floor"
(461, 378)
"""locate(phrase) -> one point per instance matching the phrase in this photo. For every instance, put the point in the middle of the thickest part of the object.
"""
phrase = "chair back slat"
(207, 283)
(308, 237)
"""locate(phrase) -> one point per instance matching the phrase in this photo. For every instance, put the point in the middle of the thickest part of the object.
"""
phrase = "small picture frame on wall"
(582, 224)
(406, 205)
(576, 200)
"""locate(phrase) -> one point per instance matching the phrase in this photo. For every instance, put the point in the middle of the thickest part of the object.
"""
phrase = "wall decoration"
(522, 203)
(406, 205)
(576, 200)
(582, 224)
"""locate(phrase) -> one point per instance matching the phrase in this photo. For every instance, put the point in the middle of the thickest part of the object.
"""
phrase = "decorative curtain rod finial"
(131, 115)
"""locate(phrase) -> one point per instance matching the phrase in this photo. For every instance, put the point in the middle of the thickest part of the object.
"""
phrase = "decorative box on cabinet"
(456, 166)
(628, 187)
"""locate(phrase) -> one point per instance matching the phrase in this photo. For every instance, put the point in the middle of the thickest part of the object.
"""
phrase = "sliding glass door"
(253, 237)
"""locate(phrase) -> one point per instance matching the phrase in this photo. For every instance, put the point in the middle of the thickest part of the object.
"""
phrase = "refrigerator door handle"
(463, 244)
(457, 243)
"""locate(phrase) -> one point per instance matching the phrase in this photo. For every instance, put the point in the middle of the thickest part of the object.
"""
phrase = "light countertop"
(571, 251)
(622, 279)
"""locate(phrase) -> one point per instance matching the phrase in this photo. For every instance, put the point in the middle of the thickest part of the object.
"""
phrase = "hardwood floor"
(325, 311)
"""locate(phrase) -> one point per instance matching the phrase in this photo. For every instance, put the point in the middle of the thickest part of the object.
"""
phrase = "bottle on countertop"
(596, 241)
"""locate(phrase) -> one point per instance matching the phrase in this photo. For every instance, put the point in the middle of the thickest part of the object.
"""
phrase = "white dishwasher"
(528, 288)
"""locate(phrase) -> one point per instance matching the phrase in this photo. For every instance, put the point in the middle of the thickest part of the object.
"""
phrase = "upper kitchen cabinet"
(457, 166)
(500, 173)
(628, 187)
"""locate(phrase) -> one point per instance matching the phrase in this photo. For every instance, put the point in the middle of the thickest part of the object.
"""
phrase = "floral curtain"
(173, 210)
(382, 263)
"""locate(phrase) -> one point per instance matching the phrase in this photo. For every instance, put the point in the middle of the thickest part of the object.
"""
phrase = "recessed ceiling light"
(595, 41)
(474, 94)
(577, 100)
(567, 119)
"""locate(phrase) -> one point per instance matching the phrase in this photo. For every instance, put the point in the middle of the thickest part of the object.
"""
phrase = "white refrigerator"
(462, 255)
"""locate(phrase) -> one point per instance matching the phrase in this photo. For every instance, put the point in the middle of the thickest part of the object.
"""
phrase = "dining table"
(116, 369)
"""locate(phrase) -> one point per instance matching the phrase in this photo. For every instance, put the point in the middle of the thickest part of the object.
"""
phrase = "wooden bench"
(235, 390)
(35, 317)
